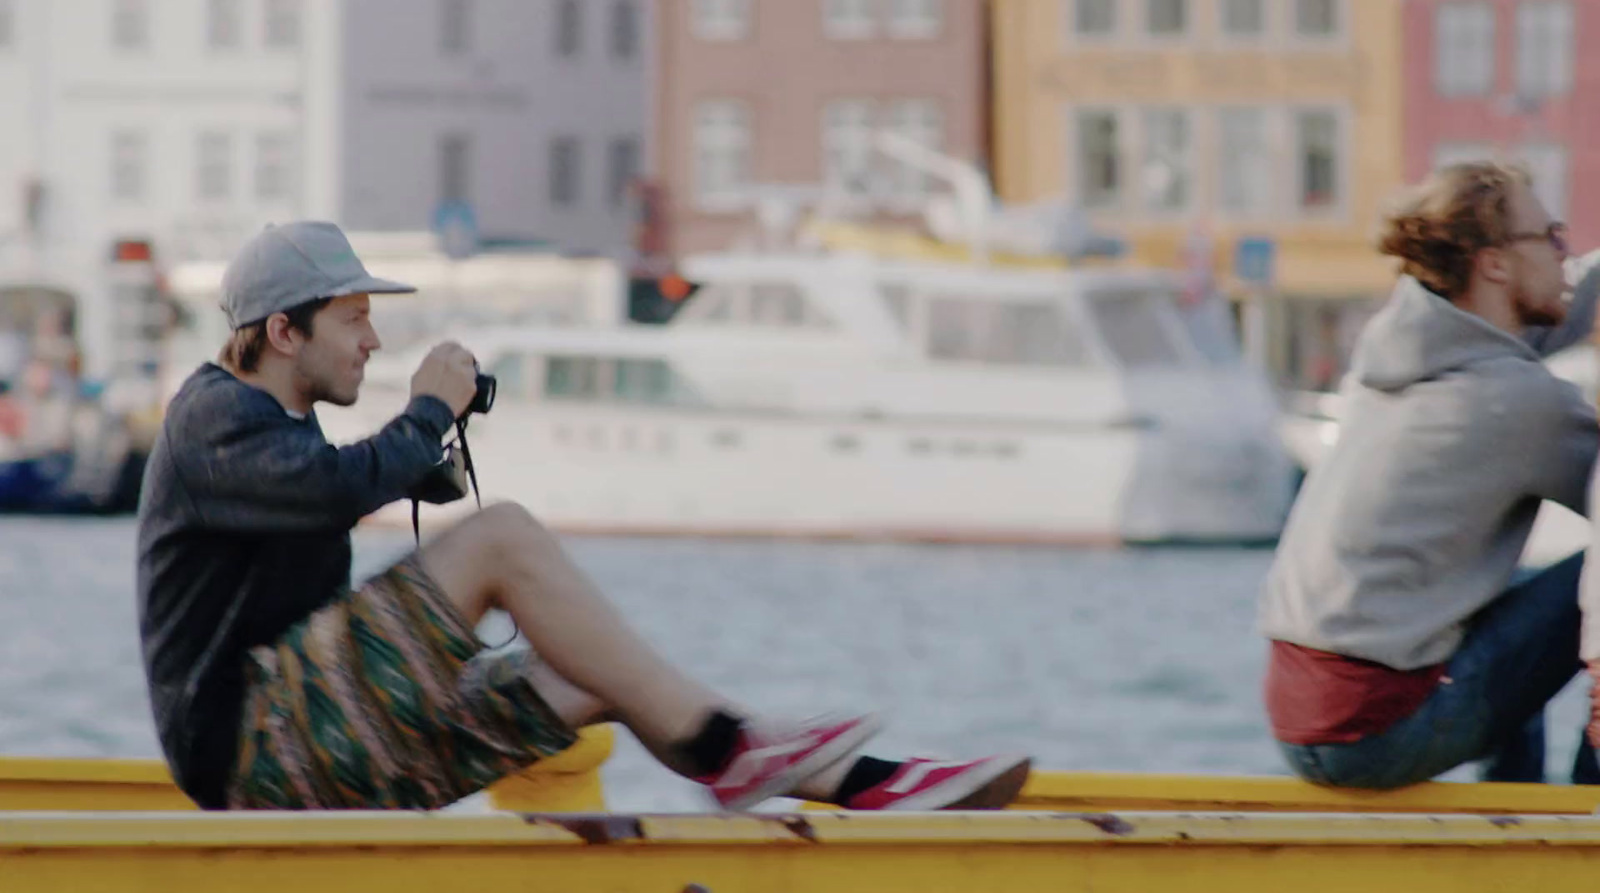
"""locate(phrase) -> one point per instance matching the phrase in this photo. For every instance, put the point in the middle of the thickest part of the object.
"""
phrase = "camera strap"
(472, 475)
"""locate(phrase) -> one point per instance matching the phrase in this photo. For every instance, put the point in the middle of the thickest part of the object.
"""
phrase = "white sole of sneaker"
(822, 758)
(991, 787)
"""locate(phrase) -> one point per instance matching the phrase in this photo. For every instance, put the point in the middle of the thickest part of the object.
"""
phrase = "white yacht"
(845, 395)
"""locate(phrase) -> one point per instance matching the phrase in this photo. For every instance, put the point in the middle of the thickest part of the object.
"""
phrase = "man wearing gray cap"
(275, 684)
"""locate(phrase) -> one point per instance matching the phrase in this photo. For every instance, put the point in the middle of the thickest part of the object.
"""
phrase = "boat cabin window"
(773, 305)
(615, 380)
(1136, 326)
(1023, 333)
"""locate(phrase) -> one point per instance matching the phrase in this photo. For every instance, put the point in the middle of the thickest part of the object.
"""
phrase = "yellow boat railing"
(571, 782)
(1113, 792)
(567, 782)
(1015, 852)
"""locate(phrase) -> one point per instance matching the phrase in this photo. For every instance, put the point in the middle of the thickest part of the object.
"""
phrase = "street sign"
(1253, 260)
(456, 226)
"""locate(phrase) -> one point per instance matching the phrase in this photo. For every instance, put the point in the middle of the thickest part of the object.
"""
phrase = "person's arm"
(1558, 428)
(267, 471)
(1579, 324)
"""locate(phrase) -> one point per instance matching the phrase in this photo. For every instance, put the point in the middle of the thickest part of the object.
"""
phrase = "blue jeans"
(1518, 653)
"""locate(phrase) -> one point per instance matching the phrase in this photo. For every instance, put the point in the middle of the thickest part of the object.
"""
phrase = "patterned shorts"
(386, 699)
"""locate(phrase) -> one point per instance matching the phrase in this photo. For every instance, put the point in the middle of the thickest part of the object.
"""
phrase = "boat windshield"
(771, 305)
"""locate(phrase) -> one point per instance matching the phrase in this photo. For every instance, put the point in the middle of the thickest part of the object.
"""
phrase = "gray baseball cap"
(286, 266)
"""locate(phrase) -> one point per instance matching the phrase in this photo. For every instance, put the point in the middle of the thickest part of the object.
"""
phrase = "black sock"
(712, 747)
(867, 772)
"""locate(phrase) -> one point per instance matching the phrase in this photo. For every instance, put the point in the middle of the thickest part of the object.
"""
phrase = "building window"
(8, 24)
(569, 28)
(1244, 183)
(565, 171)
(1099, 159)
(849, 19)
(847, 145)
(273, 164)
(130, 24)
(1244, 18)
(1317, 159)
(1094, 18)
(1316, 18)
(916, 19)
(1547, 162)
(1463, 48)
(128, 150)
(919, 121)
(214, 166)
(622, 167)
(722, 149)
(455, 26)
(283, 24)
(1544, 48)
(455, 160)
(624, 29)
(1167, 171)
(222, 24)
(1166, 18)
(720, 19)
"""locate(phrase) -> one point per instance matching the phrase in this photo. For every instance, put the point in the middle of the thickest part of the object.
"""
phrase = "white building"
(191, 123)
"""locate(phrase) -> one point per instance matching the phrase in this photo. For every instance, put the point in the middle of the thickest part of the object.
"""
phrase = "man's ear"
(1494, 265)
(283, 337)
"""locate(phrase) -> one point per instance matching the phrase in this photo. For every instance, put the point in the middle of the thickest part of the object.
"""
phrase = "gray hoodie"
(1451, 434)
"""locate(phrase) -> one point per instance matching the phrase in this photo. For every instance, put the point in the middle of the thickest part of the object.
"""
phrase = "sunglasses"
(1555, 234)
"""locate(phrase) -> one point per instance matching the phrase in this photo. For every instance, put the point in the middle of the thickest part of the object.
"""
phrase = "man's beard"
(1531, 314)
(321, 390)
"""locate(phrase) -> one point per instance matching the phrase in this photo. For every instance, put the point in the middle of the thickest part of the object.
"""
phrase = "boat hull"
(643, 472)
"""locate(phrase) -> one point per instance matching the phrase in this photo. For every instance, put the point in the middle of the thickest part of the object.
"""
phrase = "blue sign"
(1253, 259)
(457, 228)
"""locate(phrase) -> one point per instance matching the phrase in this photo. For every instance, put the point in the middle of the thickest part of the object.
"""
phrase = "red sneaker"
(769, 761)
(989, 783)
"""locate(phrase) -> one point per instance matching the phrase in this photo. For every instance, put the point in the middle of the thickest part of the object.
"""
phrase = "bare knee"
(510, 536)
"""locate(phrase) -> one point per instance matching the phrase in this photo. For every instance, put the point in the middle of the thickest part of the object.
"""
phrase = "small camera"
(483, 400)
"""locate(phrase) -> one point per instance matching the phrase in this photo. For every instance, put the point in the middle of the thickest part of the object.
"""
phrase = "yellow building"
(1190, 122)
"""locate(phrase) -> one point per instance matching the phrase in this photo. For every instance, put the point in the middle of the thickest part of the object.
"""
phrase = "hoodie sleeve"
(1563, 436)
(1579, 324)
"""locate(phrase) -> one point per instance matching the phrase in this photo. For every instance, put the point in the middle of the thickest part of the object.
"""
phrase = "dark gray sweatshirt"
(244, 530)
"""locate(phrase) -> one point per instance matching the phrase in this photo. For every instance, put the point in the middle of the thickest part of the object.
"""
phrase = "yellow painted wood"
(88, 784)
(884, 853)
(1078, 791)
(567, 782)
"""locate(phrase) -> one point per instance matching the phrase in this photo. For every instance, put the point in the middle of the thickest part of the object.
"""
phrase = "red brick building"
(754, 93)
(1503, 78)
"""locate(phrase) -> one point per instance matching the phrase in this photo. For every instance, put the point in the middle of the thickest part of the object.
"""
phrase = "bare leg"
(502, 558)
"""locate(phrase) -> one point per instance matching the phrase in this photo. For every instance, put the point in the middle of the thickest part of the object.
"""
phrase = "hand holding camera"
(450, 373)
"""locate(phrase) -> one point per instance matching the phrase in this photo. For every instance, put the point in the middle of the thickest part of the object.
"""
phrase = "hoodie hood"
(1419, 335)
